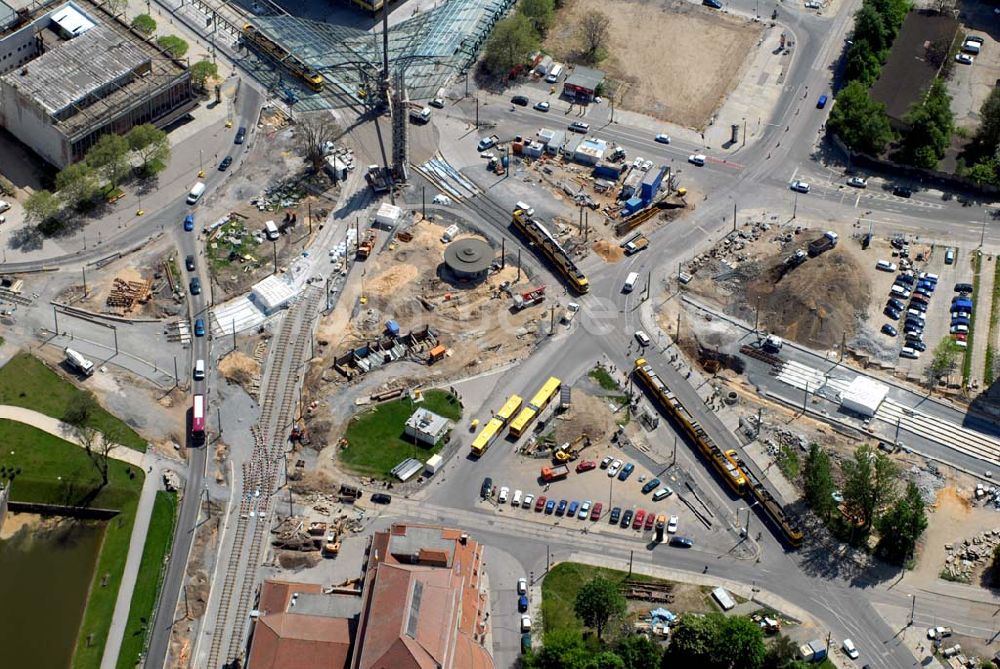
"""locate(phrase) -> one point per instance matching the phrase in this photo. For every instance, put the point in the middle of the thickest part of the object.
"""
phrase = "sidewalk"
(65, 431)
(136, 544)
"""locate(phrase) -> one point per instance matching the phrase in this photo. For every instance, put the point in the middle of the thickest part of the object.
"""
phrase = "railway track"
(259, 479)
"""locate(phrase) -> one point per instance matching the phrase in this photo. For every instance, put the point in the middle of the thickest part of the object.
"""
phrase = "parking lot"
(598, 488)
(971, 84)
(913, 268)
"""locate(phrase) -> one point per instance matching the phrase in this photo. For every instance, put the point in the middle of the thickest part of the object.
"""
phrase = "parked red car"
(540, 503)
(585, 466)
(640, 516)
(650, 519)
(595, 513)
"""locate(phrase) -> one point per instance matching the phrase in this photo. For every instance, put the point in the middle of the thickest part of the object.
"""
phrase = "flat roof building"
(71, 73)
(583, 83)
(864, 396)
(427, 427)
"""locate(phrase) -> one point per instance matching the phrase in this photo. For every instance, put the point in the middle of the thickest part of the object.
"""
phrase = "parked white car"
(800, 186)
(614, 467)
(504, 494)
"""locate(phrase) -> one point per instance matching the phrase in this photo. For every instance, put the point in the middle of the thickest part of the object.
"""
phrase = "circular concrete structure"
(468, 258)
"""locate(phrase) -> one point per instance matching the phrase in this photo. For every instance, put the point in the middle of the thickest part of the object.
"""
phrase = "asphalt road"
(189, 244)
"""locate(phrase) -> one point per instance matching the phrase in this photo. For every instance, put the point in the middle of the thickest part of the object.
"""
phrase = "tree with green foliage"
(80, 409)
(984, 172)
(605, 660)
(110, 157)
(931, 123)
(539, 12)
(77, 183)
(988, 134)
(869, 26)
(639, 652)
(781, 653)
(145, 24)
(862, 64)
(598, 602)
(173, 45)
(512, 40)
(150, 144)
(860, 121)
(202, 71)
(740, 644)
(693, 641)
(817, 477)
(901, 526)
(893, 13)
(944, 360)
(869, 484)
(41, 207)
(563, 649)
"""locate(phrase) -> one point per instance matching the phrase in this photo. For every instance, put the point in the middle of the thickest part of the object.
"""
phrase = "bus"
(496, 424)
(535, 407)
(486, 436)
(198, 419)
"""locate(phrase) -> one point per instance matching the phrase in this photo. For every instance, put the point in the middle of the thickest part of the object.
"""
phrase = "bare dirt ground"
(814, 303)
(684, 83)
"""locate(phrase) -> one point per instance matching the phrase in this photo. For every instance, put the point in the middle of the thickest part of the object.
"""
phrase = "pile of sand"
(238, 367)
(608, 251)
(589, 415)
(391, 280)
(815, 303)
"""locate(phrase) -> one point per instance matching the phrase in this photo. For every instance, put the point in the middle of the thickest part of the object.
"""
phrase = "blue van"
(959, 320)
(821, 102)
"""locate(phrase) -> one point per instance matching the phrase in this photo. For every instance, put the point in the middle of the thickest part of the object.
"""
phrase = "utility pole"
(552, 320)
(843, 344)
(898, 421)
(760, 418)
(176, 378)
(678, 337)
(795, 206)
(234, 334)
(673, 456)
(519, 264)
(423, 201)
(477, 111)
(55, 317)
(756, 318)
(85, 281)
(327, 294)
(805, 400)
(310, 218)
(503, 253)
(630, 555)
(744, 133)
(115, 330)
(746, 529)
(913, 604)
(734, 215)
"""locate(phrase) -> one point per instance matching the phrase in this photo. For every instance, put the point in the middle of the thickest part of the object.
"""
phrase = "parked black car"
(381, 498)
(486, 488)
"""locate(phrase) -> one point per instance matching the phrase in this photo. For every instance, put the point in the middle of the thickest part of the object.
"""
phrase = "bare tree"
(594, 29)
(314, 134)
(98, 446)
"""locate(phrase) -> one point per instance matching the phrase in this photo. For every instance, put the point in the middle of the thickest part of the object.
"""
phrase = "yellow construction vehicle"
(571, 450)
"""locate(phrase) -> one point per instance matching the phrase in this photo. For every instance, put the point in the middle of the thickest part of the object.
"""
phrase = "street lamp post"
(913, 604)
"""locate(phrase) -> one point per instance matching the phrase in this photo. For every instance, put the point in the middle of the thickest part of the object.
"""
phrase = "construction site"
(764, 274)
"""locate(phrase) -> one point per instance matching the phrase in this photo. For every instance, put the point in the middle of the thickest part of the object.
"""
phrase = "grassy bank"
(53, 471)
(994, 320)
(967, 360)
(26, 382)
(375, 438)
(559, 590)
(147, 586)
(603, 378)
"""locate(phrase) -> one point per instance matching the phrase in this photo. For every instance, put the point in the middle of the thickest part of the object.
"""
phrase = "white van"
(516, 499)
(199, 369)
(271, 230)
(196, 193)
(630, 282)
(554, 73)
(885, 266)
(525, 207)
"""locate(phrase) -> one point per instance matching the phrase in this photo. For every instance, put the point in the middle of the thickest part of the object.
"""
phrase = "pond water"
(46, 566)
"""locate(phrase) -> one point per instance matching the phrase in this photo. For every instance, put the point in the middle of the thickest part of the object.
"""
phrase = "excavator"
(571, 450)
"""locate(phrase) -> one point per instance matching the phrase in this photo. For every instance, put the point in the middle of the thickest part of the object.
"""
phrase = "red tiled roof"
(295, 641)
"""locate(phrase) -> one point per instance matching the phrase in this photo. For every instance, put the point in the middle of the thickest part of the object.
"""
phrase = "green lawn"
(375, 438)
(26, 382)
(53, 471)
(967, 359)
(559, 590)
(147, 586)
(603, 378)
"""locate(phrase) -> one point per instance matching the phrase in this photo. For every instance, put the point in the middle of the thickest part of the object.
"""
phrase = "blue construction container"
(611, 171)
(392, 327)
(633, 205)
(651, 183)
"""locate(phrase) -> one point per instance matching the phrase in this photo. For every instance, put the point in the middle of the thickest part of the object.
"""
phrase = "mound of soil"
(813, 304)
